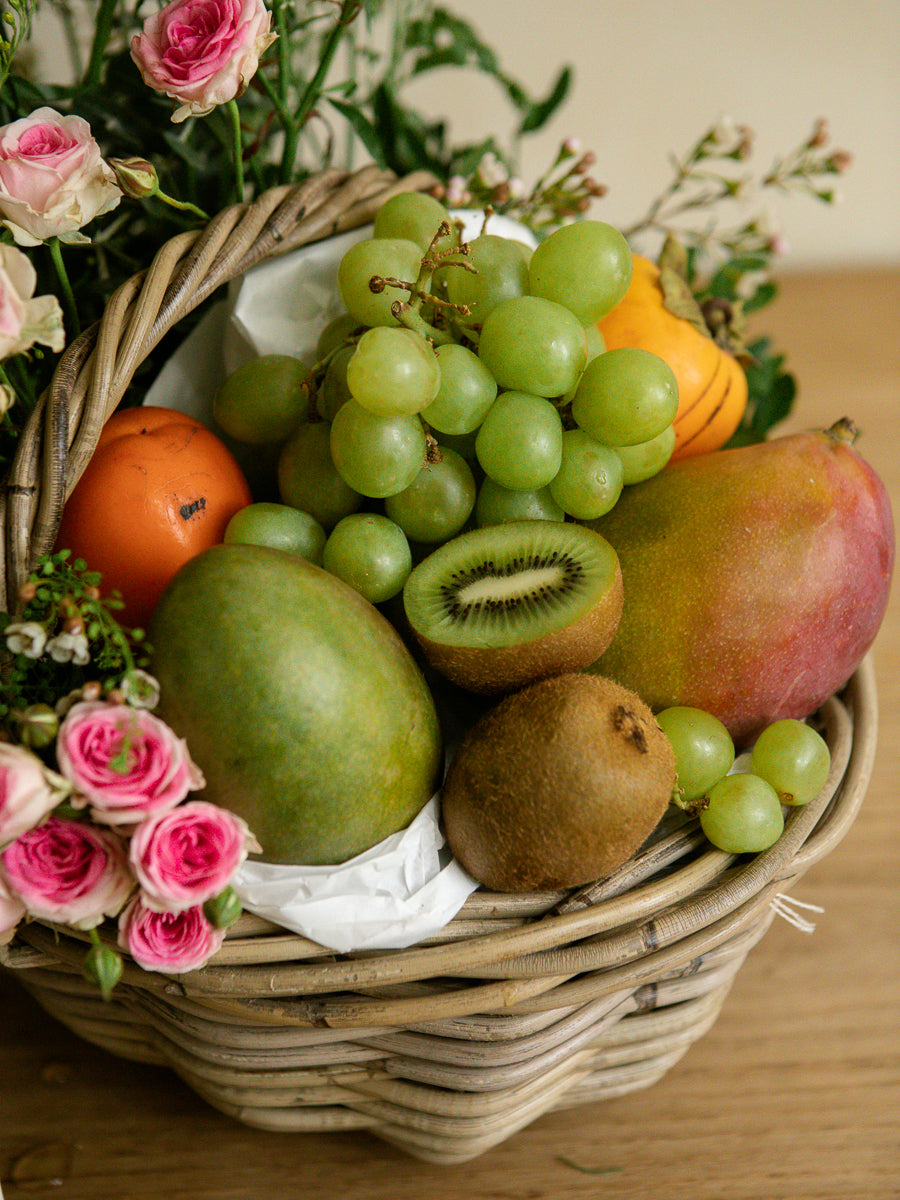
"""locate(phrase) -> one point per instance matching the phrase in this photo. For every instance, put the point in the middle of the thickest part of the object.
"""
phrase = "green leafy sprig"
(65, 637)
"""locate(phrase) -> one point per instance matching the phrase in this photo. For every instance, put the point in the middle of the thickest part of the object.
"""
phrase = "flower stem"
(350, 9)
(103, 23)
(237, 148)
(65, 287)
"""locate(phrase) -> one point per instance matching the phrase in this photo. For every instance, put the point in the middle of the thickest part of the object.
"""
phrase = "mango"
(298, 701)
(755, 578)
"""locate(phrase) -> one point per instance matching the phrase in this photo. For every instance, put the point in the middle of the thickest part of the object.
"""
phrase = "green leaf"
(538, 113)
(367, 133)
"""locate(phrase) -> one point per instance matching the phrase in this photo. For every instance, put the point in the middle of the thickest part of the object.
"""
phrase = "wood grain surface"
(793, 1095)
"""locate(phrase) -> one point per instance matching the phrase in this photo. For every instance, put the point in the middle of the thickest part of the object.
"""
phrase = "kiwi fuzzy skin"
(491, 670)
(557, 785)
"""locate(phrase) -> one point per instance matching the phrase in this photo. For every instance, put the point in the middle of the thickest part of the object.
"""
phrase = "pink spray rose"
(184, 857)
(24, 317)
(12, 910)
(68, 872)
(202, 52)
(165, 941)
(28, 792)
(125, 762)
(52, 178)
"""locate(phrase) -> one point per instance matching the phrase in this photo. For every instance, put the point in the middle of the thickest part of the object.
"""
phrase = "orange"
(712, 386)
(159, 489)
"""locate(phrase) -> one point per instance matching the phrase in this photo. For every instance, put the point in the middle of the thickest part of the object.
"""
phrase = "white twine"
(786, 906)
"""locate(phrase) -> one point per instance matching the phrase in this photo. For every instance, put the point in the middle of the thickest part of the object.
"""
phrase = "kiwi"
(557, 785)
(500, 607)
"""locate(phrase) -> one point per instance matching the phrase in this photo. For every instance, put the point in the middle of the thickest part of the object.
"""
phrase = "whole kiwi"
(557, 785)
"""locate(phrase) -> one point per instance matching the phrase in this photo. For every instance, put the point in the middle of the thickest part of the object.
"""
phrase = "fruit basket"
(522, 1003)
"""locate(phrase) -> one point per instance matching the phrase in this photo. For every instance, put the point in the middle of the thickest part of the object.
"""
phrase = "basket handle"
(94, 372)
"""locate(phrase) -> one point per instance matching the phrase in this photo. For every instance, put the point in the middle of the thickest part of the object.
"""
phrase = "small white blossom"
(140, 689)
(69, 647)
(26, 637)
(457, 193)
(724, 132)
(517, 188)
(491, 172)
(572, 145)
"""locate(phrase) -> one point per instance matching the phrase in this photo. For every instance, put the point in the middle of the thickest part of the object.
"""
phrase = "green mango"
(298, 701)
(755, 578)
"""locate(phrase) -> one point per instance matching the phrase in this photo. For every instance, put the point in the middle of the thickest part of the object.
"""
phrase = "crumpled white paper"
(397, 893)
(408, 887)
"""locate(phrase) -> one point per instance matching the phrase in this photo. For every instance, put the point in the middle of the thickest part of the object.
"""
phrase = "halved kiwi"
(500, 607)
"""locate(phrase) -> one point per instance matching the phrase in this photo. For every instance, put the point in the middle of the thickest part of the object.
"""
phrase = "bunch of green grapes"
(742, 811)
(464, 381)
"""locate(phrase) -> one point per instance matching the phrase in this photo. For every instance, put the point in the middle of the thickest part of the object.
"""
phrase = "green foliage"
(76, 637)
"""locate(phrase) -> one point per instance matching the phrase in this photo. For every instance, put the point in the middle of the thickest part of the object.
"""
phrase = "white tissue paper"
(408, 887)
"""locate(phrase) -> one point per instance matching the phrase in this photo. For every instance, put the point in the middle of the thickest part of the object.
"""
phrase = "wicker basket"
(522, 1004)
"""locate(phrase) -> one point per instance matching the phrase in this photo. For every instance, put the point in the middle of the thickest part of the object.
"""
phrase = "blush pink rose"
(68, 872)
(166, 941)
(202, 52)
(27, 792)
(12, 910)
(25, 318)
(53, 179)
(184, 857)
(125, 762)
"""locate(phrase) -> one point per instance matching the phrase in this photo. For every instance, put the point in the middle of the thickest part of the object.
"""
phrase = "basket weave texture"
(521, 1004)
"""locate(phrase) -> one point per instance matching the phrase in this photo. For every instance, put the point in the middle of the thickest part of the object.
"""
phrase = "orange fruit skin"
(159, 488)
(712, 386)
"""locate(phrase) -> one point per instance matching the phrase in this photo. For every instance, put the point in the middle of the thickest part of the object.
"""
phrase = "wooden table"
(793, 1095)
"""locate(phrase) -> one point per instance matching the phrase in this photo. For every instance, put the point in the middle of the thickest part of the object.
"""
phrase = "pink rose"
(68, 872)
(24, 317)
(27, 792)
(124, 761)
(52, 178)
(12, 910)
(184, 857)
(202, 52)
(166, 941)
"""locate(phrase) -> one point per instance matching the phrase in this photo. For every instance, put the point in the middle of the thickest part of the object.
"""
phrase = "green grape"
(333, 390)
(589, 480)
(335, 333)
(377, 455)
(585, 265)
(595, 345)
(498, 272)
(793, 758)
(393, 370)
(308, 480)
(533, 345)
(496, 504)
(438, 502)
(646, 459)
(263, 401)
(370, 553)
(519, 444)
(626, 396)
(466, 392)
(394, 258)
(704, 751)
(278, 526)
(416, 217)
(743, 816)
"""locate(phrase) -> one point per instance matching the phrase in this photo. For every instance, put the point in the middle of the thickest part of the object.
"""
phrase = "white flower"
(26, 637)
(140, 689)
(491, 172)
(69, 647)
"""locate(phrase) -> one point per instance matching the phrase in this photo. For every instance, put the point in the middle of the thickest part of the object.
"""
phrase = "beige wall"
(651, 75)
